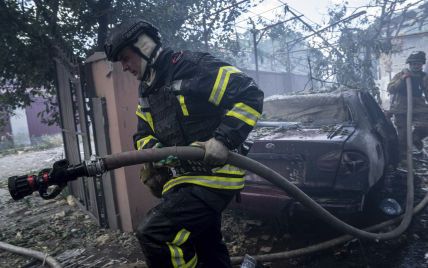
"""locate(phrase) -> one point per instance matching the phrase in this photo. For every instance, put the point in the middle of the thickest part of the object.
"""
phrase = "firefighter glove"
(154, 178)
(216, 152)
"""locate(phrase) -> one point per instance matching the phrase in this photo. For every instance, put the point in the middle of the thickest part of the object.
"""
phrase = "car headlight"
(353, 162)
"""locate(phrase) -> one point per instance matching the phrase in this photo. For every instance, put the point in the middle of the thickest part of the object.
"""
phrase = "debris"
(69, 254)
(101, 240)
(73, 237)
(265, 249)
(70, 201)
(59, 215)
(18, 235)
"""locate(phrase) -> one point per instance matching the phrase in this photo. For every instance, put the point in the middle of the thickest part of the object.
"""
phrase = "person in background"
(398, 92)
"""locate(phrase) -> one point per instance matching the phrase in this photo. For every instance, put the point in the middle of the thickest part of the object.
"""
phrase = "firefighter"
(186, 98)
(398, 91)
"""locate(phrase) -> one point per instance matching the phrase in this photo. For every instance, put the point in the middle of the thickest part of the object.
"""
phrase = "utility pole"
(310, 73)
(254, 31)
(290, 77)
(288, 59)
(256, 41)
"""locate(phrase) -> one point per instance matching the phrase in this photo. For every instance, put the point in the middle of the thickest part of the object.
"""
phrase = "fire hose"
(62, 172)
(45, 258)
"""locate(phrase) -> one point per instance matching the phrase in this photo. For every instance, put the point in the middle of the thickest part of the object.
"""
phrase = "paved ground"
(56, 226)
(60, 229)
(23, 162)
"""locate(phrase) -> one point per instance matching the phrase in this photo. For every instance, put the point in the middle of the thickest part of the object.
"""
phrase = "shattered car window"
(313, 109)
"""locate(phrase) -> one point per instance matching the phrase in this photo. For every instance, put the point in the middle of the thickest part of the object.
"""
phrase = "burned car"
(334, 147)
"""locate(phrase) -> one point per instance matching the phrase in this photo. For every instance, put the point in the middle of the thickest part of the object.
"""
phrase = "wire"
(329, 26)
(259, 14)
(295, 10)
(241, 27)
(218, 11)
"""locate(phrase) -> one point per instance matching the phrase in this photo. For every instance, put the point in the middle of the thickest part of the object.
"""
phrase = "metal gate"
(83, 123)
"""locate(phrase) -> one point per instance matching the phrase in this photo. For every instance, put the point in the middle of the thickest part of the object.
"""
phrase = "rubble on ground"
(61, 229)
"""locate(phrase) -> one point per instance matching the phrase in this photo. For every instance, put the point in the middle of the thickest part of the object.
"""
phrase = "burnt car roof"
(317, 109)
(331, 113)
(314, 116)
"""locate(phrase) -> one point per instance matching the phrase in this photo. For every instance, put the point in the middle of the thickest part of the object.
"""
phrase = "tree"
(274, 39)
(360, 44)
(210, 24)
(32, 30)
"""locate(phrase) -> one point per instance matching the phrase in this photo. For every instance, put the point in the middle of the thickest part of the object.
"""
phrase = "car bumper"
(269, 201)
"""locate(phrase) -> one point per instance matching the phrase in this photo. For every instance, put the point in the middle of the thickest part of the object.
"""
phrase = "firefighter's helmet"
(416, 56)
(126, 34)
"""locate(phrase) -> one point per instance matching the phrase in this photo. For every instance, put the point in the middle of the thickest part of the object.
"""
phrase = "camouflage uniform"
(398, 90)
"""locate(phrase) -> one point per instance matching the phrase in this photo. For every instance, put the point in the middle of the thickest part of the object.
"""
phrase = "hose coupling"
(95, 166)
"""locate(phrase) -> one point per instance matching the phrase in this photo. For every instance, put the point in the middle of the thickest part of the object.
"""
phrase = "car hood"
(296, 132)
(309, 157)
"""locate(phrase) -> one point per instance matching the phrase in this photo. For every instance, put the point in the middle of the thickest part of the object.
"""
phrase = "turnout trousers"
(419, 122)
(184, 230)
(420, 131)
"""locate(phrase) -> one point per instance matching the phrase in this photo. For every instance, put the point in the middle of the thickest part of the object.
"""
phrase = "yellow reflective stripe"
(146, 117)
(241, 117)
(150, 121)
(217, 182)
(183, 105)
(229, 169)
(141, 143)
(177, 256)
(139, 113)
(221, 82)
(181, 237)
(245, 113)
(248, 109)
(193, 262)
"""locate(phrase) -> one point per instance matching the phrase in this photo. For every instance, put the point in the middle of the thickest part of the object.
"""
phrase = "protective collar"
(148, 50)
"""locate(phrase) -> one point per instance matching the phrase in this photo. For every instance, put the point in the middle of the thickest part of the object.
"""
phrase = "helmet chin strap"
(143, 69)
(146, 66)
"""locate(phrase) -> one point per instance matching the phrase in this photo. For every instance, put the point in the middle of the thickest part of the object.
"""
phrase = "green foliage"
(23, 53)
(32, 30)
(358, 45)
(210, 23)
